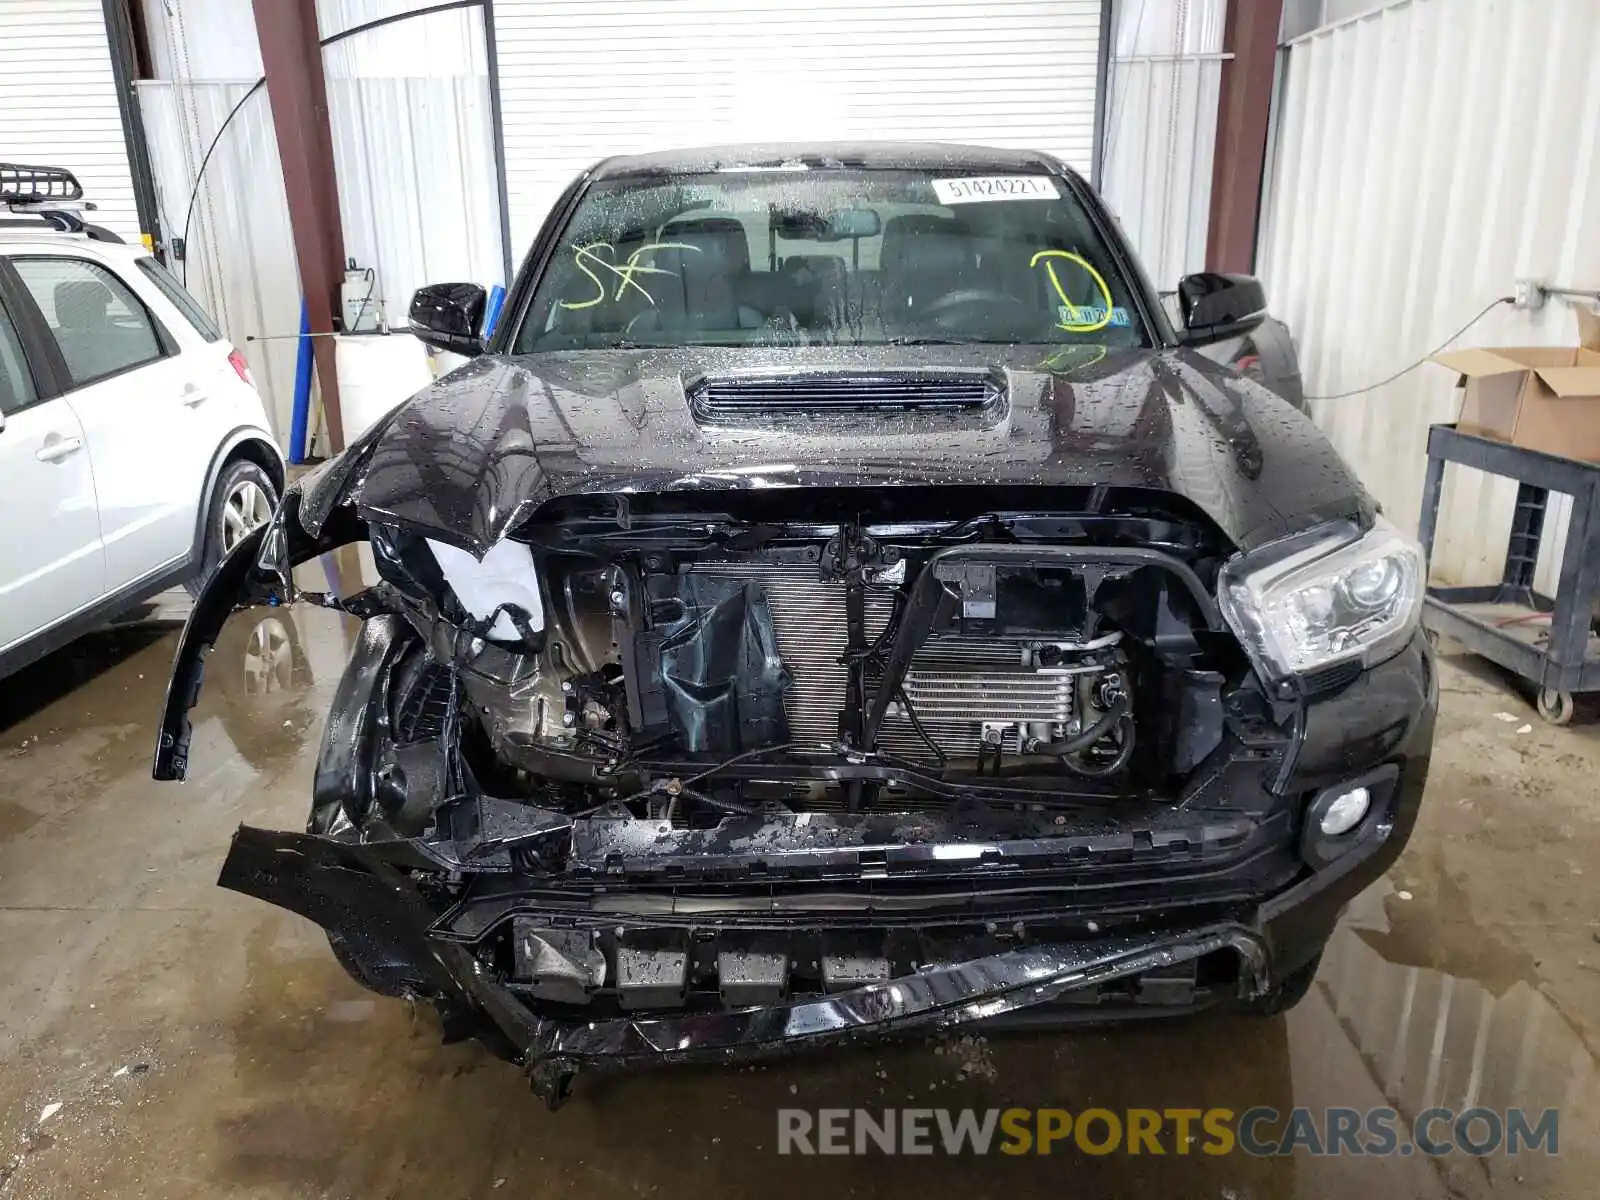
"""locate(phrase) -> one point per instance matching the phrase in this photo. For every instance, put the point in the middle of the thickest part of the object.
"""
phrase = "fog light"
(1345, 812)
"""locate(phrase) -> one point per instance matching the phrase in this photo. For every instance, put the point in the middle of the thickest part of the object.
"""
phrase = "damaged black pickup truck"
(835, 601)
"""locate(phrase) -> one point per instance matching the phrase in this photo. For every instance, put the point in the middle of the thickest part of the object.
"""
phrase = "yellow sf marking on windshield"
(585, 255)
(1050, 269)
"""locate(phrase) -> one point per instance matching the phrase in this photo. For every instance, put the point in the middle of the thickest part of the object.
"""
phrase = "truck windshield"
(829, 257)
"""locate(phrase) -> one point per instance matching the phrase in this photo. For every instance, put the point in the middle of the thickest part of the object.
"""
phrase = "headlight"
(1341, 598)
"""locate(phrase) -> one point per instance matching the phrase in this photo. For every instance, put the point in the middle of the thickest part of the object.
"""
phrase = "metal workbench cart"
(1547, 640)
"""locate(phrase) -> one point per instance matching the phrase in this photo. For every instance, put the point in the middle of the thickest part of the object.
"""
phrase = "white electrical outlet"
(1529, 294)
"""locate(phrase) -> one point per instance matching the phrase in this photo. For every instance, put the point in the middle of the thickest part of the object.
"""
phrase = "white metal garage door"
(58, 102)
(582, 79)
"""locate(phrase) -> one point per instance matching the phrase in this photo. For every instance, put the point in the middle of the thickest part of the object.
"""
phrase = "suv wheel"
(244, 499)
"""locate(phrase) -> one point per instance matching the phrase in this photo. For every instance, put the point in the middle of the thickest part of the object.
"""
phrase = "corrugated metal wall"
(240, 262)
(1161, 129)
(1428, 154)
(413, 149)
(418, 195)
(583, 79)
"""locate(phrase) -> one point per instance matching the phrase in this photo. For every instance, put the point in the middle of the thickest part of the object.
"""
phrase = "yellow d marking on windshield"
(587, 255)
(1046, 256)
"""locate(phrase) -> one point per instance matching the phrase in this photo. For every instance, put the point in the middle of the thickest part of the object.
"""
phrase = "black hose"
(1091, 735)
(916, 724)
(194, 192)
(1101, 770)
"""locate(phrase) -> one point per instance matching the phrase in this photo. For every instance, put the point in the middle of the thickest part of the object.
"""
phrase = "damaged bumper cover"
(381, 913)
(410, 944)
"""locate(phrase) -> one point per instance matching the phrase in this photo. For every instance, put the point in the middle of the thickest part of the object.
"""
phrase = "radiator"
(954, 684)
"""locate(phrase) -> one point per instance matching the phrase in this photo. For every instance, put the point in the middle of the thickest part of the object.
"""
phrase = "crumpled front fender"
(256, 571)
(223, 592)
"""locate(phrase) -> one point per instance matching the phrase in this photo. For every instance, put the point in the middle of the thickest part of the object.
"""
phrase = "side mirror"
(449, 316)
(1215, 307)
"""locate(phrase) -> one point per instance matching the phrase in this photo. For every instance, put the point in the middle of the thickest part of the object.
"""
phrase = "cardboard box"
(1539, 397)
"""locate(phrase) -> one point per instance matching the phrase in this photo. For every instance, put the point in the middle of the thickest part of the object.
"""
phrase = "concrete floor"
(200, 1043)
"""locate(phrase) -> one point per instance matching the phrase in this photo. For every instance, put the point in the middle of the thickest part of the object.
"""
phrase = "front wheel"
(243, 500)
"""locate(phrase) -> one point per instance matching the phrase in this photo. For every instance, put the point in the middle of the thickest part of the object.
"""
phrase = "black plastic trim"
(37, 344)
(119, 38)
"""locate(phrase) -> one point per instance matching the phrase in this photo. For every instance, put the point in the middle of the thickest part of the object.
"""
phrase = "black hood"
(478, 452)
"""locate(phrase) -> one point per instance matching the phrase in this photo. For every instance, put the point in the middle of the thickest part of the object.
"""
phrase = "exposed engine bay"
(651, 775)
(640, 676)
(618, 702)
(652, 781)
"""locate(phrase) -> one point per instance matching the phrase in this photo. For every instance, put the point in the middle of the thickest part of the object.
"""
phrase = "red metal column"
(292, 62)
(1250, 34)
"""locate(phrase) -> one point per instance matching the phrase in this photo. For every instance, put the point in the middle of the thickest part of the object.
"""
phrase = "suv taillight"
(241, 367)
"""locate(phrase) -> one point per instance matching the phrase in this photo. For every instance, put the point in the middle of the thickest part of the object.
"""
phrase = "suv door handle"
(57, 450)
(193, 397)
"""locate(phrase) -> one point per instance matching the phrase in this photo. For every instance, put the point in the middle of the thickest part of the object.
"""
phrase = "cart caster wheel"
(1556, 707)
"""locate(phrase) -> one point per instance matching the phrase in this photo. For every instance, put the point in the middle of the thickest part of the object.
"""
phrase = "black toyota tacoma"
(835, 601)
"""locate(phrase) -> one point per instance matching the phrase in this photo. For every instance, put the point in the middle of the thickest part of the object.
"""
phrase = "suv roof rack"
(51, 193)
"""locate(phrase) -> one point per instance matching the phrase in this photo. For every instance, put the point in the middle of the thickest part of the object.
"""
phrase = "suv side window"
(180, 297)
(101, 327)
(16, 384)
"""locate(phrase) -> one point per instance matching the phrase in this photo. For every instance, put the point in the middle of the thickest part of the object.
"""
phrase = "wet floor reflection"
(1431, 1038)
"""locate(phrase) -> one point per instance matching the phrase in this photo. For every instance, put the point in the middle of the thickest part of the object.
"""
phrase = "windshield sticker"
(589, 259)
(1090, 314)
(976, 189)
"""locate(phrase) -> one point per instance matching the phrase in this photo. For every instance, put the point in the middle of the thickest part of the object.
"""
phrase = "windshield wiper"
(920, 340)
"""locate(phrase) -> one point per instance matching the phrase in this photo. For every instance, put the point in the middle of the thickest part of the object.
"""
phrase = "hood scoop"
(740, 398)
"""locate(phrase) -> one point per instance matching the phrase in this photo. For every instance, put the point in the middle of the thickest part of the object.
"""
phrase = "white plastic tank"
(377, 373)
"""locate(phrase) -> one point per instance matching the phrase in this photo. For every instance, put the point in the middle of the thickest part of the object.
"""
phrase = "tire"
(1556, 707)
(1286, 993)
(243, 498)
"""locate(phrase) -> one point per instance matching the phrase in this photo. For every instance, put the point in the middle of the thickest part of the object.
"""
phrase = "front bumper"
(409, 946)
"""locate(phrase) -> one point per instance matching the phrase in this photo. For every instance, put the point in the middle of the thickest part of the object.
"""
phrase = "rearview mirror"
(1216, 306)
(835, 226)
(449, 316)
(853, 223)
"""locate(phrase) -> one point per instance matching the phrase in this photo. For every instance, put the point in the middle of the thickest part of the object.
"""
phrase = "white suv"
(134, 450)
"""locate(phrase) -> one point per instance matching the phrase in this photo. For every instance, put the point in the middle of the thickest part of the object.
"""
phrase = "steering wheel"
(981, 303)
